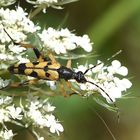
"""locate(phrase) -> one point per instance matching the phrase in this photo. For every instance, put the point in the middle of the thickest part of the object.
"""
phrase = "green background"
(111, 25)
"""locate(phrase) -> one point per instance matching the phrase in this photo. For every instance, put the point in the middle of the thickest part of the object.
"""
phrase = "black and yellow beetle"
(47, 68)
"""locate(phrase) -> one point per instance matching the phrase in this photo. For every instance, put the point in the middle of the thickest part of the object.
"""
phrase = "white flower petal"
(63, 40)
(52, 130)
(116, 64)
(126, 83)
(122, 71)
(6, 134)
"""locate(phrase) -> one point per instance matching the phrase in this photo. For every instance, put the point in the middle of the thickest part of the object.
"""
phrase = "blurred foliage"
(112, 25)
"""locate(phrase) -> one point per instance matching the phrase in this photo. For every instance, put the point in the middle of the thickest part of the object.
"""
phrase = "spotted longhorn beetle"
(47, 68)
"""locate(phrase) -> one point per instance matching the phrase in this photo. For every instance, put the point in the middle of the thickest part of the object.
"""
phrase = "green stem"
(37, 11)
(28, 129)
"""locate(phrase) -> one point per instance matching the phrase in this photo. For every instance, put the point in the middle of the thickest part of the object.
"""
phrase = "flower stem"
(37, 11)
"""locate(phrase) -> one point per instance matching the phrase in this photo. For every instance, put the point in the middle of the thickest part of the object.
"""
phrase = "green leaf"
(102, 103)
(76, 56)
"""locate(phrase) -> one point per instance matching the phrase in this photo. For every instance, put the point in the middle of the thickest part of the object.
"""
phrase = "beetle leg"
(52, 58)
(36, 51)
(74, 91)
(19, 84)
(69, 64)
(63, 90)
(39, 55)
(30, 82)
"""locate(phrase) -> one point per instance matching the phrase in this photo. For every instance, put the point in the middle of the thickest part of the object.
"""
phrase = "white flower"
(4, 115)
(88, 86)
(63, 40)
(51, 84)
(2, 48)
(36, 117)
(54, 125)
(83, 69)
(122, 84)
(15, 112)
(117, 68)
(49, 107)
(34, 101)
(33, 111)
(6, 134)
(6, 57)
(105, 81)
(16, 23)
(4, 66)
(38, 2)
(3, 83)
(41, 138)
(22, 59)
(83, 42)
(111, 94)
(98, 68)
(5, 100)
(47, 3)
(38, 111)
(16, 49)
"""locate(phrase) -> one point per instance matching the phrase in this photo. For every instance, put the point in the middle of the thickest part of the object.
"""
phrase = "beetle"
(47, 68)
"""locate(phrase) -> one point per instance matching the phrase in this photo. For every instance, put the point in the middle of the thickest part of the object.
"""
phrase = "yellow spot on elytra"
(30, 65)
(41, 73)
(53, 75)
(54, 66)
(41, 65)
(28, 71)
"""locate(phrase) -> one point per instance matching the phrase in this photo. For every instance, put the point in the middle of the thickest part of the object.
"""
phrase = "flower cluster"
(59, 41)
(46, 2)
(8, 113)
(17, 25)
(105, 80)
(3, 83)
(63, 40)
(36, 113)
(57, 4)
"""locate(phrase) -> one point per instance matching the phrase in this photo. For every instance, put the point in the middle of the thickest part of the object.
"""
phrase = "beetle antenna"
(108, 59)
(9, 36)
(118, 112)
(92, 67)
(102, 90)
